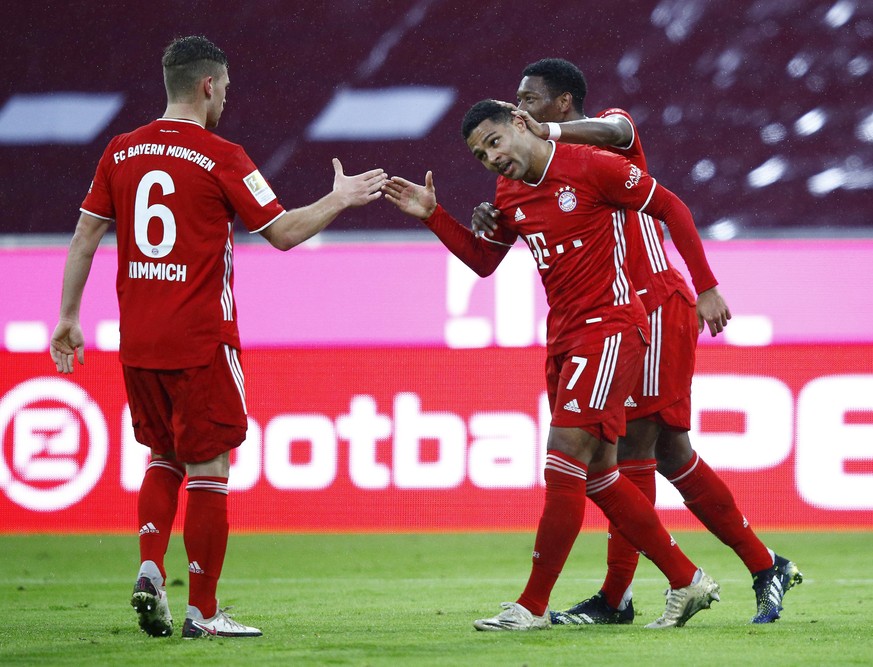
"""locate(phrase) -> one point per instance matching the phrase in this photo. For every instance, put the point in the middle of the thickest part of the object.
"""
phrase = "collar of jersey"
(182, 120)
(548, 164)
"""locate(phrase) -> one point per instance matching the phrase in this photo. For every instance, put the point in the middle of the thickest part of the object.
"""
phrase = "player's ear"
(565, 101)
(208, 84)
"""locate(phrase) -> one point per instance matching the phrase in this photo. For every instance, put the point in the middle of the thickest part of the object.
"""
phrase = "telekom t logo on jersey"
(537, 243)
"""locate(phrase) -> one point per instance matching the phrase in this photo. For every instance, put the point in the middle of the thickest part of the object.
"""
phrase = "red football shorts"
(195, 413)
(587, 387)
(663, 390)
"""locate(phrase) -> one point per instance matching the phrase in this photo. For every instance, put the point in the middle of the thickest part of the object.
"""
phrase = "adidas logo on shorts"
(573, 406)
(630, 402)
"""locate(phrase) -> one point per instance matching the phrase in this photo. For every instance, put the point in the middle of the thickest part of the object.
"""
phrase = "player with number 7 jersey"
(567, 202)
(173, 188)
(573, 223)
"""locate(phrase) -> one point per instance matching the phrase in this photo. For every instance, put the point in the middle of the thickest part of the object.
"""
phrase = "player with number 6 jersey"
(173, 188)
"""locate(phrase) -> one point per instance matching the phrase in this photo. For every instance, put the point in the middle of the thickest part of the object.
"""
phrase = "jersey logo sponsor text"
(633, 177)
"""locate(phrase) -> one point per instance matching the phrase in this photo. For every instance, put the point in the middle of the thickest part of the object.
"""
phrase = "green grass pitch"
(409, 599)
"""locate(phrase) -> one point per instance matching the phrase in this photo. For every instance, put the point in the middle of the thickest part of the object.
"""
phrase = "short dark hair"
(482, 111)
(187, 60)
(560, 76)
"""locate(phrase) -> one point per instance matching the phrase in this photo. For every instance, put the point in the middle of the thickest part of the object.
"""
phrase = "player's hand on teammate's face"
(413, 199)
(539, 129)
(484, 222)
(67, 343)
(360, 189)
(712, 310)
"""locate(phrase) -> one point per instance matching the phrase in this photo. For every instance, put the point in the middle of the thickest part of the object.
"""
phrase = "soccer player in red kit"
(567, 203)
(173, 188)
(551, 95)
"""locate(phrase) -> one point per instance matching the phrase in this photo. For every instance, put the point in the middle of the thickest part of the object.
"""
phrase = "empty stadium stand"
(758, 113)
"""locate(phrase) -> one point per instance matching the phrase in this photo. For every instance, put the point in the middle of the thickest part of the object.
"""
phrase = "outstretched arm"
(419, 201)
(612, 131)
(67, 340)
(299, 224)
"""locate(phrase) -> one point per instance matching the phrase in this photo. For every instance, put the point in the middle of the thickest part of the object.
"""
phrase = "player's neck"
(541, 153)
(186, 111)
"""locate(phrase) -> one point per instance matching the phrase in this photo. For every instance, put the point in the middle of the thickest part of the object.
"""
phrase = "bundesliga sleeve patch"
(259, 188)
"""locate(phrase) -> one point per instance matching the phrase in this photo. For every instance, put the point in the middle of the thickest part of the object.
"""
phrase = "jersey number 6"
(143, 214)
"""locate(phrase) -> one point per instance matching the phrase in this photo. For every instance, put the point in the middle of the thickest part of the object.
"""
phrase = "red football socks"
(635, 517)
(156, 503)
(711, 501)
(558, 528)
(206, 530)
(621, 556)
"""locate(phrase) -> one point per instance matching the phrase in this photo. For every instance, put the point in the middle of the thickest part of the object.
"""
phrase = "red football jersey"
(573, 223)
(173, 189)
(651, 273)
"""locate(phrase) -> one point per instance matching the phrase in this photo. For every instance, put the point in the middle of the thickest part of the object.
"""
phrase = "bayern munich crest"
(566, 198)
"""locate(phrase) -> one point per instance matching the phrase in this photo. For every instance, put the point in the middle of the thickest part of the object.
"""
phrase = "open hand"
(360, 189)
(539, 129)
(416, 200)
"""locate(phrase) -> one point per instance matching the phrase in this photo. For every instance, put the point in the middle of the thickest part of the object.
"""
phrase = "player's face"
(499, 148)
(219, 97)
(534, 97)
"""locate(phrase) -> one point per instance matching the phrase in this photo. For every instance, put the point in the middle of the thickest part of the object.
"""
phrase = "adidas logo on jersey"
(519, 216)
(573, 406)
(630, 402)
(148, 528)
(194, 568)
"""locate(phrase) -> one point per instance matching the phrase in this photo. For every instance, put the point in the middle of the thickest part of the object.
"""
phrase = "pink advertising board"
(417, 294)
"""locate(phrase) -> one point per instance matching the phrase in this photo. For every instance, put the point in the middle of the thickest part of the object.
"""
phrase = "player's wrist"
(429, 211)
(554, 131)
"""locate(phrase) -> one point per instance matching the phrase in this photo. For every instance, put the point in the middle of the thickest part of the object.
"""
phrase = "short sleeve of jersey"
(249, 192)
(620, 182)
(98, 201)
